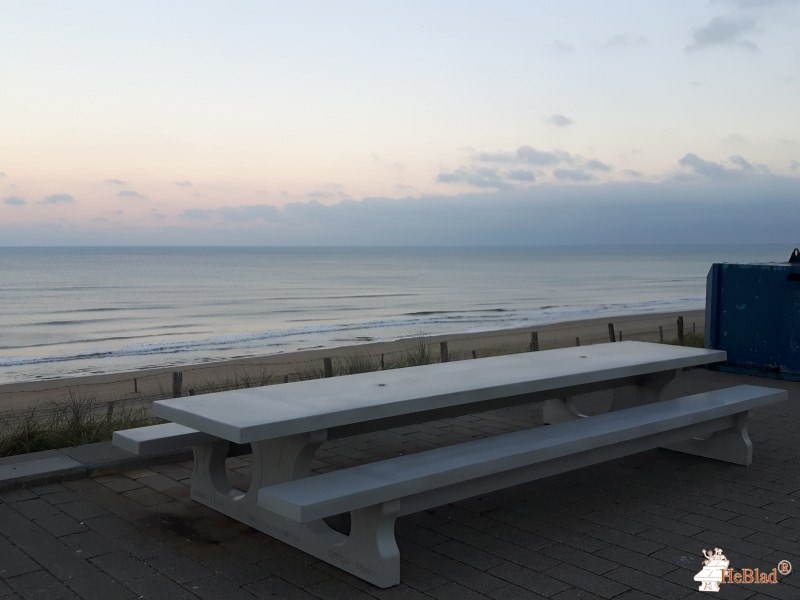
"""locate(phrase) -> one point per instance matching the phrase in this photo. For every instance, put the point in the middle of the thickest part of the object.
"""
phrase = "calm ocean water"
(76, 311)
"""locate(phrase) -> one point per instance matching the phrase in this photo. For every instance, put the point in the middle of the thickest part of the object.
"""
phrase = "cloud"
(566, 167)
(14, 201)
(622, 40)
(537, 157)
(725, 30)
(58, 199)
(2, 174)
(745, 4)
(329, 191)
(525, 155)
(251, 212)
(497, 157)
(742, 163)
(714, 170)
(528, 155)
(563, 47)
(575, 175)
(521, 175)
(735, 138)
(749, 209)
(558, 120)
(563, 213)
(199, 213)
(479, 177)
(633, 173)
(328, 194)
(704, 167)
(115, 182)
(794, 165)
(597, 165)
(131, 194)
(184, 183)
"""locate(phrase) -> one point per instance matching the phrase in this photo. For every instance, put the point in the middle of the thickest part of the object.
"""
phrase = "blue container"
(753, 313)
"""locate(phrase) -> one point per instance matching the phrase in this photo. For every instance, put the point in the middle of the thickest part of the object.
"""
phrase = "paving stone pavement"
(629, 529)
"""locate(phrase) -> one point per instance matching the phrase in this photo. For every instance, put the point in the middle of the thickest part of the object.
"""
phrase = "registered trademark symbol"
(784, 567)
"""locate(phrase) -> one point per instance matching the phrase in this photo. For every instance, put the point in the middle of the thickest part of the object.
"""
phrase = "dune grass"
(695, 340)
(75, 421)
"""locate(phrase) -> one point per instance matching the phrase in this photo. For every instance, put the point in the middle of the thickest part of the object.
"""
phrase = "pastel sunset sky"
(399, 121)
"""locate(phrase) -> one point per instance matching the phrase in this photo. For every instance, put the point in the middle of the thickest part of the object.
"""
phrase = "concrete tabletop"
(254, 414)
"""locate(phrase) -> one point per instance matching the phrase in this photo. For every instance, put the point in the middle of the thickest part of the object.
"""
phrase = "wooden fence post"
(177, 384)
(577, 341)
(680, 330)
(328, 367)
(443, 353)
(661, 334)
(534, 347)
(611, 336)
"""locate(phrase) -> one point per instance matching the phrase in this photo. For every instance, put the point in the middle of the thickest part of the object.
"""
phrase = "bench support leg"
(730, 445)
(369, 551)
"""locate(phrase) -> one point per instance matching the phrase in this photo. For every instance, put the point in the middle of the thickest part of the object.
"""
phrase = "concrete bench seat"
(712, 424)
(156, 439)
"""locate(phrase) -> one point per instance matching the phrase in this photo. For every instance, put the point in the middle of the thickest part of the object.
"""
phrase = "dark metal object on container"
(753, 313)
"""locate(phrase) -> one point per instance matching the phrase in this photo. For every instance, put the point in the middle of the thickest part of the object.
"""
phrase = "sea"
(76, 311)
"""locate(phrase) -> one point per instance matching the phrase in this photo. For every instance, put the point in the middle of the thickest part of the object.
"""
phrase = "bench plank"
(366, 485)
(164, 437)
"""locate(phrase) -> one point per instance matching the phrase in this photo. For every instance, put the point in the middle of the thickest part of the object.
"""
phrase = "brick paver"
(628, 529)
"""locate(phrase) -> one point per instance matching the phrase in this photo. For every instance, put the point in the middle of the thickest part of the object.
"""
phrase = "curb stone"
(90, 460)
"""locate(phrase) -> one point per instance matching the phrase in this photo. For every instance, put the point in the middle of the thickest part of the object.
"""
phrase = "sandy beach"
(139, 387)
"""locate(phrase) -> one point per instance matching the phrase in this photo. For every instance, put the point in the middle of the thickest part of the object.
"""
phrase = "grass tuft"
(695, 340)
(352, 365)
(75, 421)
(416, 354)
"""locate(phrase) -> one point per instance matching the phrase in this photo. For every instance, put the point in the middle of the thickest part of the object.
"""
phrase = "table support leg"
(560, 410)
(646, 390)
(283, 459)
(209, 476)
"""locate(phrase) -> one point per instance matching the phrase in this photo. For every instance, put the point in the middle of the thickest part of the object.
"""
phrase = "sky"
(358, 122)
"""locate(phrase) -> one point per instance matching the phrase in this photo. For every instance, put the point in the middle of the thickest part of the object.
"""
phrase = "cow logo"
(716, 571)
(715, 566)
